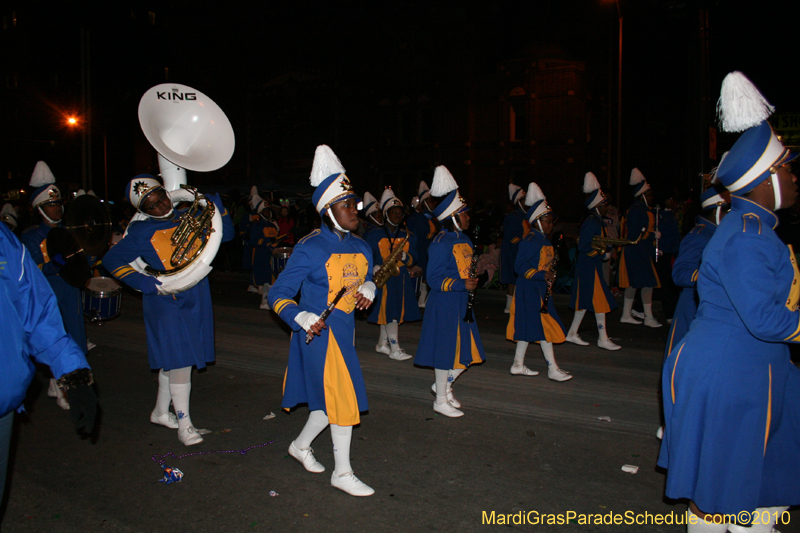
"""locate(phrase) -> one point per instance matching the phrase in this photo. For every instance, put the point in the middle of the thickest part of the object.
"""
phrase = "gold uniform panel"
(383, 246)
(463, 254)
(346, 270)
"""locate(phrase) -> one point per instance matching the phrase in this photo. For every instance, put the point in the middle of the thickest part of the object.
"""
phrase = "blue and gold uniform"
(262, 234)
(397, 299)
(68, 297)
(424, 228)
(515, 227)
(730, 388)
(589, 289)
(684, 274)
(526, 322)
(446, 341)
(179, 327)
(636, 268)
(325, 373)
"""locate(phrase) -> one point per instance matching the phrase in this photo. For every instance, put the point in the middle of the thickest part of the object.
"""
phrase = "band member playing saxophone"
(447, 343)
(395, 301)
(529, 321)
(589, 289)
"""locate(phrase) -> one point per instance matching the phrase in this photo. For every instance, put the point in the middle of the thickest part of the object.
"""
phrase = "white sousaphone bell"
(188, 130)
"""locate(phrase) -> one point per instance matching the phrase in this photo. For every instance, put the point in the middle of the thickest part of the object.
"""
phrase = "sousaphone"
(189, 131)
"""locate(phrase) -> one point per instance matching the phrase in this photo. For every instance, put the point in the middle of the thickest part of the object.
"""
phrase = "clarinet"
(658, 252)
(549, 290)
(473, 269)
(326, 313)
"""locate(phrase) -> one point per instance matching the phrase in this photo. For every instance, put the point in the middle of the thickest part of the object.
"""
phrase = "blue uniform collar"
(332, 235)
(700, 219)
(748, 206)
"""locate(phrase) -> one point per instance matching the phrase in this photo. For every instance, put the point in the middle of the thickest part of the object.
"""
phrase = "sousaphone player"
(179, 320)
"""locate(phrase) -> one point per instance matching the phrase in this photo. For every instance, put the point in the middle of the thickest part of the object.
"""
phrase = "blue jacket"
(31, 325)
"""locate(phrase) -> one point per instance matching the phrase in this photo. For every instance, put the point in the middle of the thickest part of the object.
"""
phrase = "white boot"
(572, 334)
(395, 351)
(627, 306)
(161, 414)
(443, 384)
(553, 372)
(264, 297)
(603, 341)
(518, 368)
(187, 433)
(647, 301)
(383, 341)
(423, 294)
(343, 477)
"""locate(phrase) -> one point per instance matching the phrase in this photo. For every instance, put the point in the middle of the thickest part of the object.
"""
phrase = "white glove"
(403, 257)
(606, 256)
(658, 235)
(367, 290)
(375, 269)
(306, 319)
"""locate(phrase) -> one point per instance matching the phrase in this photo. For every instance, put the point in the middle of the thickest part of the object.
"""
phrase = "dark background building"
(509, 92)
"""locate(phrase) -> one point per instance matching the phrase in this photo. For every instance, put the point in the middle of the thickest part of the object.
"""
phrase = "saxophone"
(389, 267)
(473, 269)
(549, 290)
(599, 243)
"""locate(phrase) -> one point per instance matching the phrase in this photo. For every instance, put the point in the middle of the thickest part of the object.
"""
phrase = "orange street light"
(72, 121)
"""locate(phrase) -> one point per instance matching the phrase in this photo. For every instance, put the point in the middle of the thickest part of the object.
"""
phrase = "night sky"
(223, 49)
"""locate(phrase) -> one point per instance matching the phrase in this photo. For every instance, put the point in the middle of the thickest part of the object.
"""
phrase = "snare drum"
(279, 258)
(102, 299)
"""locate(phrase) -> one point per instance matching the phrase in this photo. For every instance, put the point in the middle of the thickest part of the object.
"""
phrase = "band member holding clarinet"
(394, 252)
(533, 315)
(589, 288)
(448, 343)
(179, 327)
(325, 372)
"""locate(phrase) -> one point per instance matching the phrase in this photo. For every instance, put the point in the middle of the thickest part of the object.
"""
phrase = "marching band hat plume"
(536, 202)
(594, 194)
(46, 192)
(444, 186)
(328, 176)
(758, 152)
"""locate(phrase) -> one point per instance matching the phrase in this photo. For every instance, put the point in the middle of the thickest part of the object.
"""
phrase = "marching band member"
(447, 343)
(262, 235)
(730, 388)
(424, 226)
(396, 302)
(636, 268)
(325, 373)
(372, 213)
(515, 227)
(179, 327)
(47, 200)
(32, 328)
(535, 275)
(589, 289)
(714, 202)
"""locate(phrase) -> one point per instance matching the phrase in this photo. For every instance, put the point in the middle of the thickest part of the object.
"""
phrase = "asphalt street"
(527, 450)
